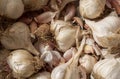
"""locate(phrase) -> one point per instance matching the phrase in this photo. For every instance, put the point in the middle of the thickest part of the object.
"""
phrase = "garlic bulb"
(18, 36)
(107, 69)
(105, 30)
(11, 8)
(70, 69)
(41, 75)
(88, 62)
(91, 8)
(21, 63)
(64, 34)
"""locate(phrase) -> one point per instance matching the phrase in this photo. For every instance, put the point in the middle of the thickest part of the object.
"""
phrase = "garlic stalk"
(107, 69)
(70, 69)
(63, 32)
(22, 63)
(41, 75)
(18, 36)
(105, 30)
(88, 62)
(91, 8)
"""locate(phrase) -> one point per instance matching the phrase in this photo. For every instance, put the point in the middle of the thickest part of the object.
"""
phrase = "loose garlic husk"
(64, 34)
(41, 75)
(91, 8)
(88, 62)
(107, 69)
(105, 30)
(22, 63)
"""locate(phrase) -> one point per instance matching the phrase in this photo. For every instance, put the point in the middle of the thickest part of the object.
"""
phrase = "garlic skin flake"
(107, 69)
(41, 75)
(21, 62)
(64, 34)
(105, 30)
(91, 8)
(88, 62)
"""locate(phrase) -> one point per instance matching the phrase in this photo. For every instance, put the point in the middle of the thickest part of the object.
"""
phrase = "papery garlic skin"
(105, 30)
(41, 75)
(107, 69)
(64, 34)
(88, 62)
(91, 8)
(21, 63)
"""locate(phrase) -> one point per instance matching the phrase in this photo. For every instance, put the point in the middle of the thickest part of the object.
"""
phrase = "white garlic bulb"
(21, 63)
(91, 8)
(12, 9)
(107, 69)
(88, 62)
(41, 75)
(105, 30)
(64, 34)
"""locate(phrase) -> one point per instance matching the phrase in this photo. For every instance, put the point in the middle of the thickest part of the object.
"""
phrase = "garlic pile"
(59, 39)
(107, 69)
(105, 30)
(22, 63)
(91, 8)
(64, 34)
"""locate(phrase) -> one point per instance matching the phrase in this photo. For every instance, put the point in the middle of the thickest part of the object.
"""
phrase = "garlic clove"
(91, 8)
(17, 37)
(68, 54)
(88, 49)
(51, 57)
(41, 75)
(21, 63)
(88, 62)
(70, 12)
(45, 17)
